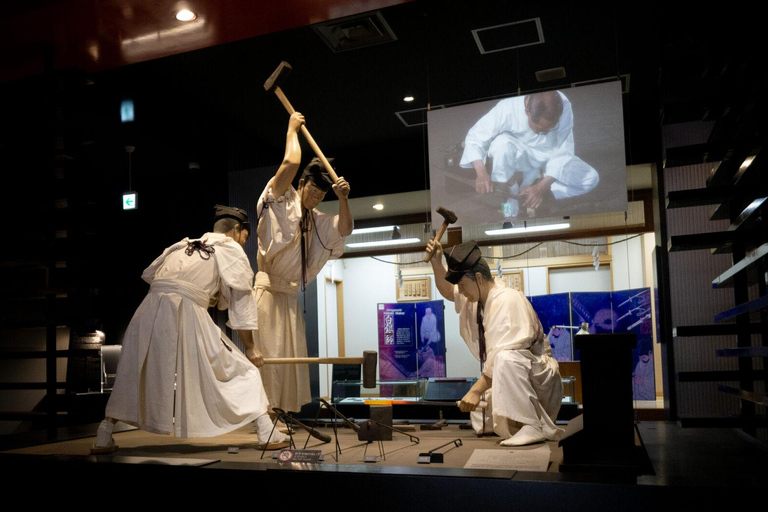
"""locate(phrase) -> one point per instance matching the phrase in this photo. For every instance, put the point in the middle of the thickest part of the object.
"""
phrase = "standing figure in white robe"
(505, 335)
(178, 372)
(527, 142)
(295, 241)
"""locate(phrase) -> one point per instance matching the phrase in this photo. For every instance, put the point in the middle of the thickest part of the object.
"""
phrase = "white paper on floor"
(520, 459)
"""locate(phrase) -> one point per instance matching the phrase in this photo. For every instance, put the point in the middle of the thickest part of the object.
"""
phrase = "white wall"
(368, 282)
(627, 262)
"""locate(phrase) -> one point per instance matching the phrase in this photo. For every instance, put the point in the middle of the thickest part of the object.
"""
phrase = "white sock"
(264, 429)
(104, 433)
(528, 434)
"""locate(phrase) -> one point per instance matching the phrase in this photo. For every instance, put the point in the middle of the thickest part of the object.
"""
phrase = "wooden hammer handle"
(437, 237)
(287, 104)
(314, 360)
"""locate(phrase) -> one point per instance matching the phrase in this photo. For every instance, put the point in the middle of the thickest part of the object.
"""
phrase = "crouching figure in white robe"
(178, 372)
(295, 241)
(501, 330)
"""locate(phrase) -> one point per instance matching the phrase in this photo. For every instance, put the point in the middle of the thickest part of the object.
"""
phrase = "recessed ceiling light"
(378, 206)
(408, 98)
(185, 15)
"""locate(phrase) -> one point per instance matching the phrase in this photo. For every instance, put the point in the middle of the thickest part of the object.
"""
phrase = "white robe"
(525, 378)
(281, 322)
(172, 341)
(504, 135)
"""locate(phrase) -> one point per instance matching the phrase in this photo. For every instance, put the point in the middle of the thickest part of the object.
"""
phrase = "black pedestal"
(607, 440)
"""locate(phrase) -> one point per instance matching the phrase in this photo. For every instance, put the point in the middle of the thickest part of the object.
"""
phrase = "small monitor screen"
(541, 155)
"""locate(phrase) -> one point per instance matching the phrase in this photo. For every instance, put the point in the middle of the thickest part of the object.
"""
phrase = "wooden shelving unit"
(739, 192)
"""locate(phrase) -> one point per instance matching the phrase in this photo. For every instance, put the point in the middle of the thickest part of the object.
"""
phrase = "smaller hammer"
(273, 85)
(449, 218)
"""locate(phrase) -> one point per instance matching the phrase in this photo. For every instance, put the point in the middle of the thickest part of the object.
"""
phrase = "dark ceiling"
(210, 101)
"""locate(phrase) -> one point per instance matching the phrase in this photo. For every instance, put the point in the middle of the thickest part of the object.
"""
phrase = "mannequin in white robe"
(519, 370)
(281, 209)
(178, 372)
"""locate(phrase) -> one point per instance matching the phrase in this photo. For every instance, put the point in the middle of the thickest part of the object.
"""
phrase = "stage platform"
(685, 467)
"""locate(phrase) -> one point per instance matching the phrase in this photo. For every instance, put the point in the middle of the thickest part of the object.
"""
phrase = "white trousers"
(525, 390)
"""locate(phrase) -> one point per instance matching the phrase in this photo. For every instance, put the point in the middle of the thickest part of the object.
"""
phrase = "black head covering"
(230, 212)
(461, 258)
(316, 173)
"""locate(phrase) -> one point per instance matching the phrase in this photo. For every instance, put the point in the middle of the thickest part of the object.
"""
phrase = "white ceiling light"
(379, 243)
(185, 15)
(529, 229)
(379, 229)
(378, 206)
(408, 99)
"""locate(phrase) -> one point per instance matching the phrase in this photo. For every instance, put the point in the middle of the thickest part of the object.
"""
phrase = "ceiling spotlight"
(378, 206)
(408, 99)
(185, 15)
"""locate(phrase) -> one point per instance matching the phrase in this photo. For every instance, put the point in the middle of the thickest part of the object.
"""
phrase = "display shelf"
(722, 375)
(687, 331)
(742, 352)
(16, 386)
(750, 264)
(42, 354)
(695, 154)
(696, 197)
(732, 171)
(726, 422)
(713, 240)
(743, 309)
(750, 396)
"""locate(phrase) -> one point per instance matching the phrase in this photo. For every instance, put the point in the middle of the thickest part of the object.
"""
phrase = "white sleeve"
(563, 152)
(279, 219)
(328, 230)
(480, 136)
(236, 286)
(509, 327)
(243, 314)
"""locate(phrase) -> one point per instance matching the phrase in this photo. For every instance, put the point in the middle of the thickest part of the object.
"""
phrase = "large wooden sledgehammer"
(273, 85)
(368, 361)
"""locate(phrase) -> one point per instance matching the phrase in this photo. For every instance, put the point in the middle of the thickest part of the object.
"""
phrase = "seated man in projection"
(295, 241)
(178, 372)
(524, 146)
(501, 330)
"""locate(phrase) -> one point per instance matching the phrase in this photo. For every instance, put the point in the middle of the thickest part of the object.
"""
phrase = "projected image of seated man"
(523, 147)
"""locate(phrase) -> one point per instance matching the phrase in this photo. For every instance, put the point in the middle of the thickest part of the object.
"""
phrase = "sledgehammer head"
(277, 78)
(369, 369)
(448, 215)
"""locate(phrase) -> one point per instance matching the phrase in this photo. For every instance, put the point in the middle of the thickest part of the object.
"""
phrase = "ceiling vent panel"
(508, 36)
(355, 32)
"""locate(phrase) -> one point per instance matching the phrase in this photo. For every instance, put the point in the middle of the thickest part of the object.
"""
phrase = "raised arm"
(444, 287)
(346, 222)
(287, 171)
